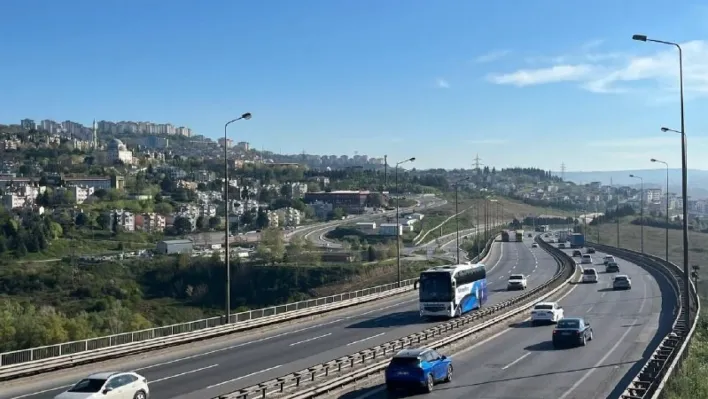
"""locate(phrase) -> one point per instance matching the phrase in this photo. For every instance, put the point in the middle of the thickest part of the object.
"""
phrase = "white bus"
(452, 290)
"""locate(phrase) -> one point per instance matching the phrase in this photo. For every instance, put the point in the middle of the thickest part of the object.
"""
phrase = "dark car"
(530, 235)
(577, 253)
(418, 368)
(572, 332)
(590, 250)
(612, 267)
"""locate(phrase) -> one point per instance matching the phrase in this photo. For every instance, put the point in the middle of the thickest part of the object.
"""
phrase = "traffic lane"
(178, 360)
(232, 374)
(256, 364)
(522, 362)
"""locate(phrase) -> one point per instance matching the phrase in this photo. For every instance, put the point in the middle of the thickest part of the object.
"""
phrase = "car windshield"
(435, 287)
(589, 271)
(586, 256)
(620, 278)
(516, 277)
(612, 264)
(88, 385)
(575, 324)
(405, 361)
(543, 307)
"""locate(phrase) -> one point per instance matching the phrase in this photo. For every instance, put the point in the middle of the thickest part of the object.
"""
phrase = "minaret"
(95, 135)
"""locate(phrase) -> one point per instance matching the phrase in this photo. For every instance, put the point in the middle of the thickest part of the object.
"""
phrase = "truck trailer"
(505, 236)
(577, 240)
(519, 235)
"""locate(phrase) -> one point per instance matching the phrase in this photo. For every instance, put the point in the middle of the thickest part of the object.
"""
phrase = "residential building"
(124, 218)
(78, 194)
(150, 222)
(350, 201)
(298, 190)
(390, 229)
(273, 219)
(117, 151)
(28, 124)
(14, 201)
(289, 216)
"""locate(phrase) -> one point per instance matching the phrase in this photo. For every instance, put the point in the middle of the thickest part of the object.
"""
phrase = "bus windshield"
(435, 287)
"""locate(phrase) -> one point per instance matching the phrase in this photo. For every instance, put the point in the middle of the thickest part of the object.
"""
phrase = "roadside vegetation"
(691, 381)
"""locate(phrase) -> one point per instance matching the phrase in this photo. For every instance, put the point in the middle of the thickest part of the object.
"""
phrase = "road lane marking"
(516, 361)
(610, 352)
(365, 339)
(181, 374)
(244, 376)
(590, 308)
(310, 339)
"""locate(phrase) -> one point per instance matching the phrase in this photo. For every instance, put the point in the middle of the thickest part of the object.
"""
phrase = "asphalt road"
(519, 362)
(207, 370)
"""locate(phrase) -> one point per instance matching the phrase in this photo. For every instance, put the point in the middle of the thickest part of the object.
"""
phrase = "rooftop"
(411, 352)
(178, 241)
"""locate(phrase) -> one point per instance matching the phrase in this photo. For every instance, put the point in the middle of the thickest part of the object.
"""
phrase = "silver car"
(622, 282)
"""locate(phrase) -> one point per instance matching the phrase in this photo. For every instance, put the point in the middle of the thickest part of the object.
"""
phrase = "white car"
(607, 259)
(109, 385)
(516, 282)
(586, 260)
(589, 275)
(548, 312)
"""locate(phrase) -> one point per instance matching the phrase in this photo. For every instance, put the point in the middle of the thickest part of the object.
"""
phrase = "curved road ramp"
(644, 341)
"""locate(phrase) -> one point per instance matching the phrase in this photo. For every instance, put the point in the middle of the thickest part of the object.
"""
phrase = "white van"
(586, 260)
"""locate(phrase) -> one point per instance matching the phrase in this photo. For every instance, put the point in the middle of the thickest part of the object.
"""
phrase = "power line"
(563, 171)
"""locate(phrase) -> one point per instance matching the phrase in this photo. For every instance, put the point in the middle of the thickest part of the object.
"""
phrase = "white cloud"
(487, 141)
(554, 74)
(615, 72)
(442, 83)
(492, 56)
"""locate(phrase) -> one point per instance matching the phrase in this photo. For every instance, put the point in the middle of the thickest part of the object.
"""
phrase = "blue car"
(417, 368)
(572, 332)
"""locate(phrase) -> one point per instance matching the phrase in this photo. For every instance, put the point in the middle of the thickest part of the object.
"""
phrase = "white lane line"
(366, 339)
(310, 339)
(469, 348)
(41, 392)
(610, 352)
(501, 256)
(181, 374)
(264, 339)
(244, 376)
(517, 360)
(590, 308)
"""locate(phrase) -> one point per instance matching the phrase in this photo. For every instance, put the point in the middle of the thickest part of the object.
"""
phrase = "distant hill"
(697, 179)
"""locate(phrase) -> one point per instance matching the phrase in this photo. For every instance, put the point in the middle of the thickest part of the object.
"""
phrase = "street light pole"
(227, 254)
(398, 222)
(457, 223)
(641, 212)
(684, 177)
(667, 205)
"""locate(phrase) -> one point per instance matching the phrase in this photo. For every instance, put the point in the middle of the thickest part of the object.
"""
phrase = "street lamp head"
(653, 160)
(246, 116)
(665, 129)
(632, 176)
(639, 38)
(412, 159)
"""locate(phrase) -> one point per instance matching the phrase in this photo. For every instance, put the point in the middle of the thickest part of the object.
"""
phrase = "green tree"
(201, 223)
(272, 245)
(262, 219)
(104, 221)
(163, 208)
(182, 225)
(214, 222)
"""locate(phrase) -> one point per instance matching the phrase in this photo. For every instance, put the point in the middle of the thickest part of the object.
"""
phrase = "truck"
(563, 236)
(519, 235)
(505, 236)
(577, 240)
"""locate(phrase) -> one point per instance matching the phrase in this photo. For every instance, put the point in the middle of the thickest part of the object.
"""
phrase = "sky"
(521, 83)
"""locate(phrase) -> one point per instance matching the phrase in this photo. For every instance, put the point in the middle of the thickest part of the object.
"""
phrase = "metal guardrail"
(671, 351)
(53, 357)
(71, 352)
(448, 332)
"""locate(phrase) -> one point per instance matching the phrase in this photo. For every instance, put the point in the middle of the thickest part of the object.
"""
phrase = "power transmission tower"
(476, 163)
(563, 171)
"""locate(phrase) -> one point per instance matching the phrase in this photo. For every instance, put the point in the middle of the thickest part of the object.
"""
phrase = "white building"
(289, 216)
(298, 189)
(125, 219)
(13, 201)
(117, 151)
(273, 219)
(153, 223)
(78, 193)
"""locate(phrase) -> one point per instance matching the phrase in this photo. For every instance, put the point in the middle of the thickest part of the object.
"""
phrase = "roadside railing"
(30, 360)
(672, 350)
(337, 373)
(52, 357)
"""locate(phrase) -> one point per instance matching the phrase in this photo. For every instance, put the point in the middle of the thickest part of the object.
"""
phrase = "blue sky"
(519, 82)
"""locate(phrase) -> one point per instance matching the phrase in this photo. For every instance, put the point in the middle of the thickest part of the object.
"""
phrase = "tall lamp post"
(684, 174)
(492, 204)
(398, 222)
(227, 255)
(641, 212)
(457, 223)
(667, 204)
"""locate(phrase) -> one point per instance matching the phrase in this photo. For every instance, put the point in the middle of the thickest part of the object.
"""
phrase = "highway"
(519, 362)
(210, 368)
